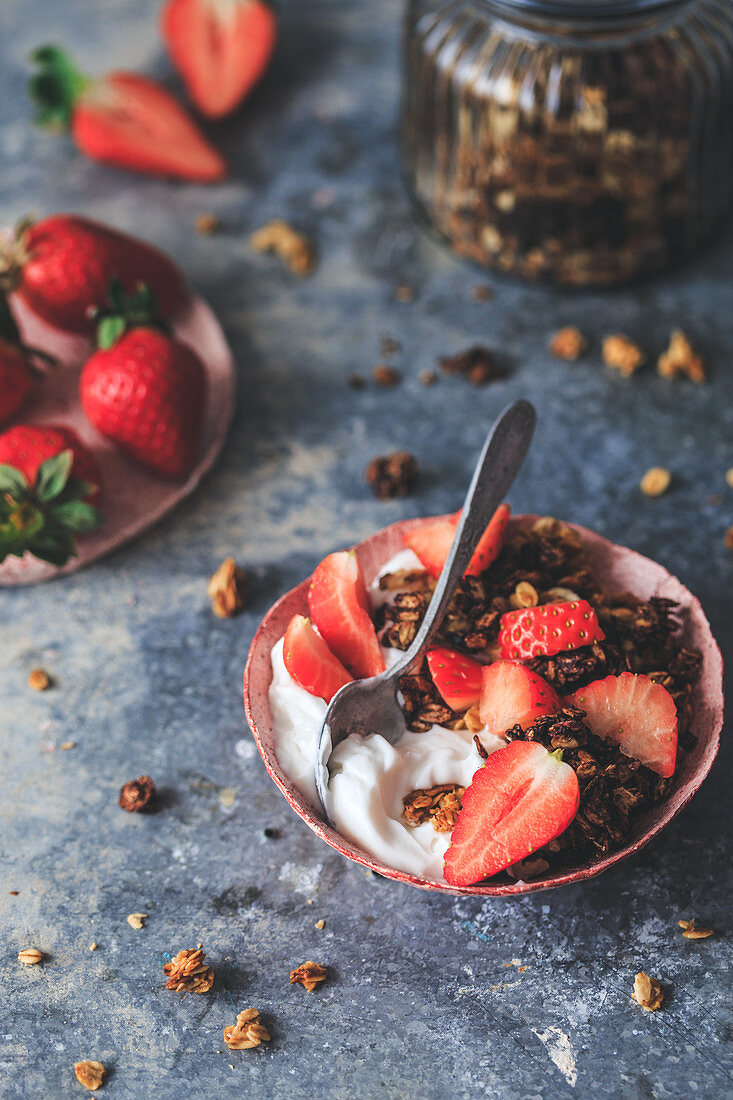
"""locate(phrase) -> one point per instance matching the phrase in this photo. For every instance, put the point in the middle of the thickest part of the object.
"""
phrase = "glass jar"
(585, 142)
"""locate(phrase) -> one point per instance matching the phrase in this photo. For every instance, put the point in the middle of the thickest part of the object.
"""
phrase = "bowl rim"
(255, 699)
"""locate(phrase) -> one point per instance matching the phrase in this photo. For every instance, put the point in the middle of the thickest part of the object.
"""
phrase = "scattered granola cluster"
(440, 805)
(137, 795)
(294, 248)
(248, 1032)
(227, 589)
(90, 1074)
(478, 364)
(680, 360)
(568, 343)
(309, 975)
(622, 354)
(648, 992)
(392, 475)
(39, 680)
(188, 973)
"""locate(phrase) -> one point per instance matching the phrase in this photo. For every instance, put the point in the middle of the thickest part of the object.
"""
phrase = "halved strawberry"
(513, 695)
(310, 662)
(339, 605)
(548, 629)
(432, 542)
(457, 677)
(520, 800)
(639, 715)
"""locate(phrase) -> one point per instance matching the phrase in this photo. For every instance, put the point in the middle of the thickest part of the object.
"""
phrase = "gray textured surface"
(427, 997)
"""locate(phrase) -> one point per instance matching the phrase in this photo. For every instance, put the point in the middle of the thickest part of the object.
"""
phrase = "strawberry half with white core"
(520, 800)
(339, 605)
(548, 629)
(310, 662)
(49, 482)
(122, 119)
(143, 388)
(456, 677)
(61, 268)
(512, 695)
(221, 48)
(639, 715)
(432, 542)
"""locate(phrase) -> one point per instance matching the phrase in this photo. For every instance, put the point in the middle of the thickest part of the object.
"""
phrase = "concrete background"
(428, 996)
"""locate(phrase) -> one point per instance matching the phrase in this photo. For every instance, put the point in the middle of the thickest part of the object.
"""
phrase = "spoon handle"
(503, 454)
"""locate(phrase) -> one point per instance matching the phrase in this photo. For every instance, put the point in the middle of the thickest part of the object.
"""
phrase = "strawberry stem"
(56, 87)
(126, 312)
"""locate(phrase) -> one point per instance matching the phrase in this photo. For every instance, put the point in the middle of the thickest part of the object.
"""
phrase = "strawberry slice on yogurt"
(341, 610)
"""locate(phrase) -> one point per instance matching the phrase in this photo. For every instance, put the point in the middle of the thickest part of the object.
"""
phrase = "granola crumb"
(137, 920)
(90, 1074)
(480, 748)
(294, 248)
(404, 293)
(248, 1032)
(482, 292)
(14, 893)
(320, 925)
(427, 377)
(568, 343)
(728, 539)
(207, 224)
(392, 475)
(188, 973)
(39, 679)
(680, 360)
(137, 795)
(66, 745)
(440, 805)
(357, 381)
(309, 974)
(93, 946)
(386, 376)
(30, 956)
(648, 992)
(389, 346)
(622, 354)
(655, 481)
(729, 477)
(477, 364)
(472, 719)
(691, 931)
(227, 589)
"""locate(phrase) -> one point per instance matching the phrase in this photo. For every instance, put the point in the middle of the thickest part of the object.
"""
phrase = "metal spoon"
(370, 706)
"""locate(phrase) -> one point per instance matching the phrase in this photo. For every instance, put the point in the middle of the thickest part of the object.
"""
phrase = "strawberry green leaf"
(54, 545)
(56, 87)
(77, 516)
(109, 330)
(13, 482)
(53, 476)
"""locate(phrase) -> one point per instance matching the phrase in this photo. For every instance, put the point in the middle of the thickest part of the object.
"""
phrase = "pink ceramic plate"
(621, 570)
(134, 498)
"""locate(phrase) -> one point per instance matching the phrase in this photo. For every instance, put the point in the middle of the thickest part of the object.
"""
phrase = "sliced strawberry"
(339, 605)
(457, 677)
(513, 695)
(433, 541)
(123, 119)
(220, 47)
(639, 715)
(310, 662)
(520, 800)
(548, 629)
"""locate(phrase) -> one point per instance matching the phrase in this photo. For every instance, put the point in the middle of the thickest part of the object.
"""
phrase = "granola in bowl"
(396, 808)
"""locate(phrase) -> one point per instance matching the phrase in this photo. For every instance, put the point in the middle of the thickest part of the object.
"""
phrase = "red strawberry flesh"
(339, 605)
(432, 542)
(514, 695)
(310, 662)
(16, 380)
(520, 800)
(639, 715)
(456, 677)
(548, 629)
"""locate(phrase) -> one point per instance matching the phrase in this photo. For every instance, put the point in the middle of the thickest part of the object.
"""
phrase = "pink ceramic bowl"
(621, 570)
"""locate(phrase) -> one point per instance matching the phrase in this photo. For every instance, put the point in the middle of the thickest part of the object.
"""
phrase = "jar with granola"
(582, 142)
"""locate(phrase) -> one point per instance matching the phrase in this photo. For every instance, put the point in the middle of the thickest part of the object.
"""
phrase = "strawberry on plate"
(49, 484)
(122, 119)
(221, 48)
(310, 662)
(339, 605)
(143, 388)
(17, 366)
(456, 677)
(639, 715)
(432, 542)
(513, 695)
(520, 800)
(61, 267)
(548, 629)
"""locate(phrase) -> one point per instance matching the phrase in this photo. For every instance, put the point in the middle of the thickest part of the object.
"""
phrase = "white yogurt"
(370, 777)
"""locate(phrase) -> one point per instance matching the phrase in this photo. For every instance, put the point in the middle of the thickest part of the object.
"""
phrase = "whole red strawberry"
(122, 119)
(49, 482)
(18, 364)
(143, 388)
(220, 47)
(62, 266)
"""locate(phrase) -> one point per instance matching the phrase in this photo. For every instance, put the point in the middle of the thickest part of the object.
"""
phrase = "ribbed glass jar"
(585, 142)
